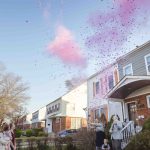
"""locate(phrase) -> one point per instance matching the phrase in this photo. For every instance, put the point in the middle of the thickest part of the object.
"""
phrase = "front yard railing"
(127, 132)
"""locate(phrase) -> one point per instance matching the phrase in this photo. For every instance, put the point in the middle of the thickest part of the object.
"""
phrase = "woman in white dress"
(4, 139)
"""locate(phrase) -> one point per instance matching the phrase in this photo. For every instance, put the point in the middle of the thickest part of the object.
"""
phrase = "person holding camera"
(115, 131)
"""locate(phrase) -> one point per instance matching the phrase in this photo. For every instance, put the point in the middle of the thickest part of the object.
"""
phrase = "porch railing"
(127, 132)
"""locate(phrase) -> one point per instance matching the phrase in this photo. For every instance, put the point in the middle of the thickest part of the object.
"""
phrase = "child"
(105, 146)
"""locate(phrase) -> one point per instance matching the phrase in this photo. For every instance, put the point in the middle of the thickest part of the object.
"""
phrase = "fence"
(43, 143)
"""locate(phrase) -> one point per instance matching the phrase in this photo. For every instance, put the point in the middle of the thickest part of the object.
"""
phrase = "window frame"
(148, 101)
(97, 85)
(146, 65)
(108, 84)
(129, 65)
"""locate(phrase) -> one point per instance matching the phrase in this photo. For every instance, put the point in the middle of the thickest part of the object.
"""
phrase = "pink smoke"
(112, 29)
(65, 48)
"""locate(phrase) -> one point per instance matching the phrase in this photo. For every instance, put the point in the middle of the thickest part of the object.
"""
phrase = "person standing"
(4, 138)
(13, 140)
(115, 131)
(100, 134)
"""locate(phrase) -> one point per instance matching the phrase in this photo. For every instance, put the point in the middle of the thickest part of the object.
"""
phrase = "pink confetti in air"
(65, 48)
(112, 29)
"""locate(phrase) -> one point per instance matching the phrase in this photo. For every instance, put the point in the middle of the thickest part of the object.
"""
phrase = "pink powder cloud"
(65, 48)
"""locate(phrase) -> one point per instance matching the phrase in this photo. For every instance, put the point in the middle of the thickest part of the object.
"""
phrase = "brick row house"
(67, 112)
(98, 86)
(24, 122)
(133, 90)
(122, 88)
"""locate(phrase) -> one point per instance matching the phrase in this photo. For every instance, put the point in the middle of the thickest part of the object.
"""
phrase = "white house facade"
(98, 86)
(38, 118)
(67, 112)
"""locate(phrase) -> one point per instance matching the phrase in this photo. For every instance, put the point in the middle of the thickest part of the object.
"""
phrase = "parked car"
(68, 132)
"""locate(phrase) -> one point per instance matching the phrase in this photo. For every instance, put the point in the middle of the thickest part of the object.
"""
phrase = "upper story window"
(148, 101)
(95, 88)
(110, 81)
(147, 63)
(53, 108)
(35, 116)
(127, 70)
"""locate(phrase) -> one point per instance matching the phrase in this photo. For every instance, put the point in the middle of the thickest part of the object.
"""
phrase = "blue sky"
(25, 33)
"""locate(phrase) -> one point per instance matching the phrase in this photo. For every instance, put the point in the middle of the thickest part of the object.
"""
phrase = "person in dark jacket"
(99, 125)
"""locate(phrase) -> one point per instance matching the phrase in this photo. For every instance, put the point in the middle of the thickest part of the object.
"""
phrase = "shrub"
(58, 143)
(35, 131)
(19, 143)
(70, 146)
(85, 140)
(18, 133)
(28, 132)
(140, 142)
(31, 142)
(43, 147)
(146, 125)
(41, 133)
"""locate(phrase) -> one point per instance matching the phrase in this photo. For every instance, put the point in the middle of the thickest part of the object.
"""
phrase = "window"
(73, 123)
(148, 101)
(35, 116)
(58, 106)
(52, 109)
(55, 108)
(127, 70)
(110, 81)
(78, 123)
(94, 90)
(97, 87)
(48, 111)
(147, 63)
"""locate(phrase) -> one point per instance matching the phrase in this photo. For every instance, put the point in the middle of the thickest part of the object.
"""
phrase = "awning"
(128, 85)
(56, 115)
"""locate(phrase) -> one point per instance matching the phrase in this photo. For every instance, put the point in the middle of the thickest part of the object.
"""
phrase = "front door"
(132, 111)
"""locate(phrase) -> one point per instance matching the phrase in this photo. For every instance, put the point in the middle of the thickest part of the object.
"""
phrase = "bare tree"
(13, 94)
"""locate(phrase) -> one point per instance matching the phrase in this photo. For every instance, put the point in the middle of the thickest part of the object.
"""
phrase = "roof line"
(119, 58)
(134, 50)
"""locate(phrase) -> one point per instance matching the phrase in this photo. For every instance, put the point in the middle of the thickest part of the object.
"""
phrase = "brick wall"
(27, 126)
(59, 124)
(142, 108)
(65, 123)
